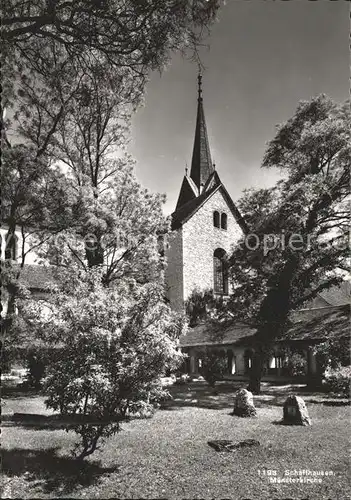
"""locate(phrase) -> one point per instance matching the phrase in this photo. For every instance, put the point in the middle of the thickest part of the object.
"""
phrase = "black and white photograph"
(175, 257)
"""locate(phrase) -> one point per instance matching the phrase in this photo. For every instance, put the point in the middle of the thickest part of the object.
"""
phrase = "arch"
(231, 362)
(220, 274)
(248, 358)
(216, 219)
(224, 220)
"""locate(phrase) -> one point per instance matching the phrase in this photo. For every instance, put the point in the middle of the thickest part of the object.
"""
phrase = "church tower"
(205, 224)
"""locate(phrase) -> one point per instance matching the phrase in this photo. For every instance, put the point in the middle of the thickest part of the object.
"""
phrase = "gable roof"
(213, 184)
(338, 294)
(188, 191)
(320, 324)
(210, 333)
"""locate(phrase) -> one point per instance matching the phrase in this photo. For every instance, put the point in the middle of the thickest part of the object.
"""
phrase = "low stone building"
(236, 342)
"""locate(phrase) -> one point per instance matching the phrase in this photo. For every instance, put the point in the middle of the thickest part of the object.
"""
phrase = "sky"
(261, 59)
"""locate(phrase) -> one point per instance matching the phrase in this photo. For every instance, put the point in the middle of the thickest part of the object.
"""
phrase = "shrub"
(203, 305)
(296, 365)
(36, 364)
(333, 353)
(115, 345)
(338, 380)
(214, 366)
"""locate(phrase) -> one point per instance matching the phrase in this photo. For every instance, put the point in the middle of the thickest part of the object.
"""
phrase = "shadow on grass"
(19, 391)
(56, 473)
(200, 395)
(37, 421)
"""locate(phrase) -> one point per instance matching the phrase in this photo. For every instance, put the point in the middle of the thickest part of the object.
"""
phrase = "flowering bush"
(214, 366)
(333, 352)
(338, 380)
(296, 365)
(114, 344)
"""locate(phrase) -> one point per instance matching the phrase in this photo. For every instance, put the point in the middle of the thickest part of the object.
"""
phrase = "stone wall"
(174, 270)
(201, 238)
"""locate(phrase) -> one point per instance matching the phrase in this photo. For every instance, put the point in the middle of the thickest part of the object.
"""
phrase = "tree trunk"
(272, 317)
(256, 371)
(11, 287)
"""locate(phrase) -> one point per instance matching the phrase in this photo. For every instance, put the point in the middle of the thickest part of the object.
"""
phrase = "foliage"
(332, 353)
(114, 344)
(295, 363)
(127, 34)
(37, 360)
(203, 305)
(72, 74)
(296, 244)
(338, 380)
(214, 366)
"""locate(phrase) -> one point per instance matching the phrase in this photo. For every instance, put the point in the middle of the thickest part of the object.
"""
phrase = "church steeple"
(201, 163)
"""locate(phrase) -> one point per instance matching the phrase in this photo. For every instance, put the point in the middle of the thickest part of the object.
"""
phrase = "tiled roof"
(337, 295)
(201, 163)
(214, 334)
(322, 323)
(312, 324)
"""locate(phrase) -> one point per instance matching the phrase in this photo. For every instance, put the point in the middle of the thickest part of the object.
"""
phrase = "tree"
(214, 366)
(63, 55)
(202, 306)
(127, 33)
(333, 353)
(31, 195)
(297, 241)
(33, 190)
(112, 345)
(116, 335)
(127, 37)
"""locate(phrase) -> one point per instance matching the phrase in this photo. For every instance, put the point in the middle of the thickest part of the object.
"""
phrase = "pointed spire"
(199, 83)
(201, 163)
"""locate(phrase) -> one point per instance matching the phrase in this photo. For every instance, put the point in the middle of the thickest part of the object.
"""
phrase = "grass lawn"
(168, 456)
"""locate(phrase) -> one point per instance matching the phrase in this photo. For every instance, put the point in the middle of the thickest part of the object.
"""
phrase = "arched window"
(216, 219)
(224, 219)
(220, 274)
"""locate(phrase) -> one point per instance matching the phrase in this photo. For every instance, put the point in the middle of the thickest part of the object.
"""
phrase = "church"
(205, 225)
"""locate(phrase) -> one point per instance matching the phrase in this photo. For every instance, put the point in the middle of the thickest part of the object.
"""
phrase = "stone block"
(295, 411)
(243, 404)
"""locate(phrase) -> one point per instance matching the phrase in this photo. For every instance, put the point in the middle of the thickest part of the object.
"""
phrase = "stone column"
(240, 362)
(192, 362)
(312, 362)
